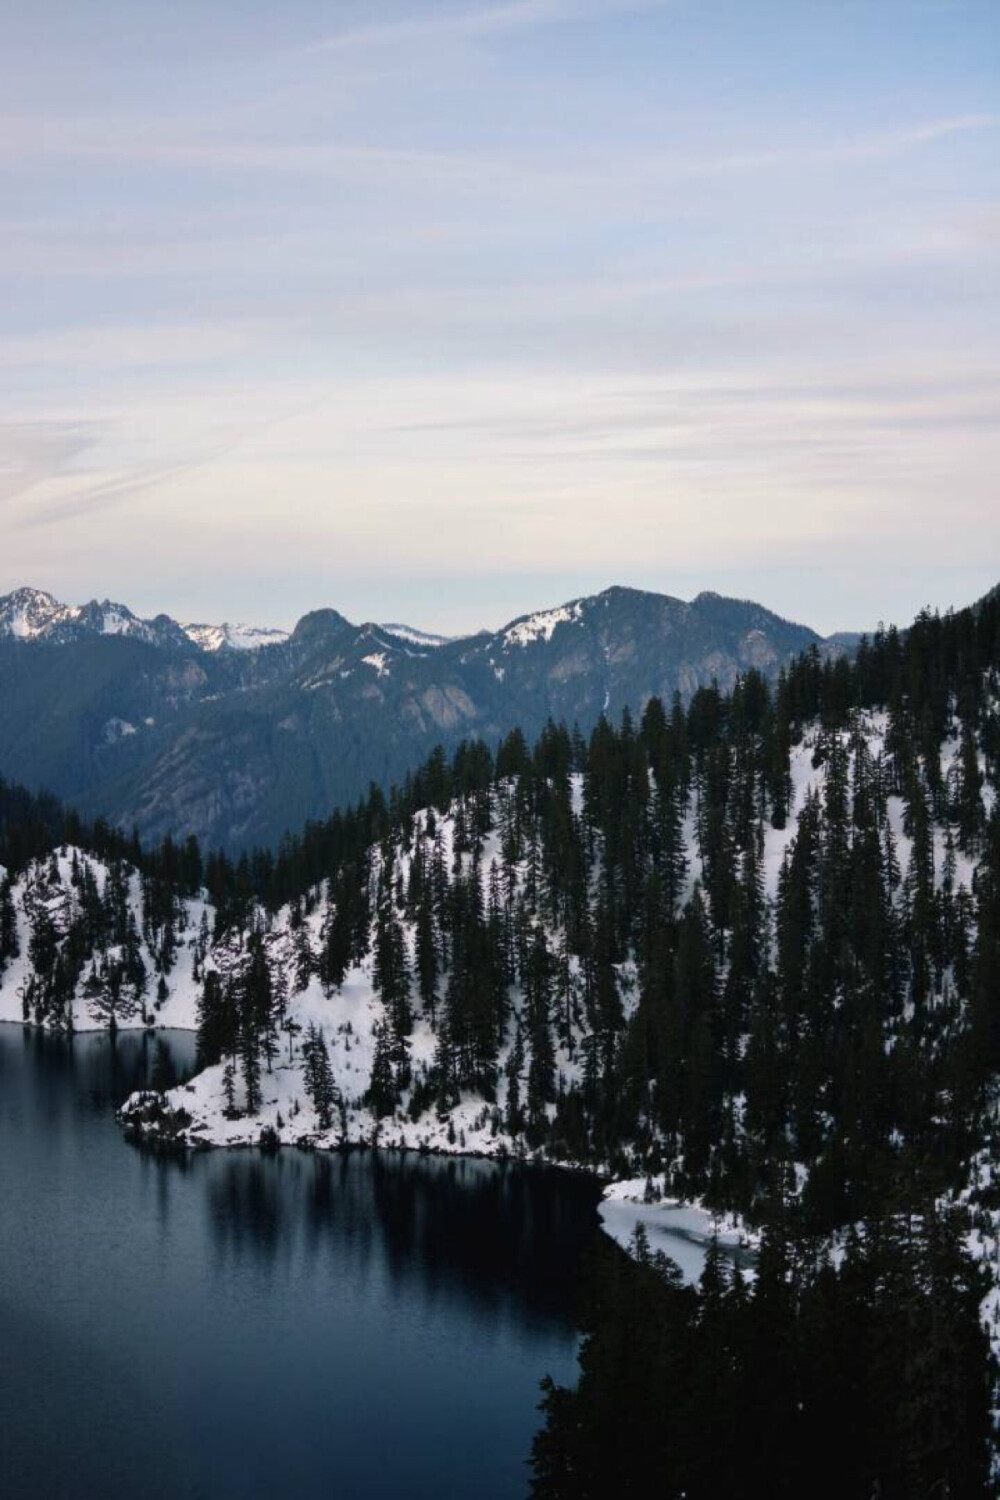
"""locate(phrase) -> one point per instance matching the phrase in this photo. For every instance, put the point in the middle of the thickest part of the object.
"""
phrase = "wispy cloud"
(186, 144)
(487, 20)
(32, 451)
(85, 501)
(871, 145)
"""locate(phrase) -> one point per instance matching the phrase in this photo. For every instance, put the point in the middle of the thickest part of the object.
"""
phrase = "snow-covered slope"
(150, 972)
(29, 613)
(51, 887)
(539, 626)
(49, 898)
(51, 892)
(230, 637)
(415, 637)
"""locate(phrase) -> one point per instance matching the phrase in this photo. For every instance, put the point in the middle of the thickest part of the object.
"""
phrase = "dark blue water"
(230, 1327)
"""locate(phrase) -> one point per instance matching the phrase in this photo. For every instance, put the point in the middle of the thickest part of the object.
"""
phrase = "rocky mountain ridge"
(237, 734)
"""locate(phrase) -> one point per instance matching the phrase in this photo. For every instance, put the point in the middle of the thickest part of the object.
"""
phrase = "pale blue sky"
(445, 311)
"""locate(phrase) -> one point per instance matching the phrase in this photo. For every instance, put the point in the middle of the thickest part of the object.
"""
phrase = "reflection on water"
(88, 1073)
(495, 1236)
(367, 1325)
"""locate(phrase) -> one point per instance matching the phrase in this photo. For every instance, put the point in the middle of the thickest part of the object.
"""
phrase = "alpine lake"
(225, 1325)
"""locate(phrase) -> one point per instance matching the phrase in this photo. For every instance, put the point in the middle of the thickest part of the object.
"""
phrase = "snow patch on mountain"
(117, 620)
(230, 637)
(27, 613)
(415, 637)
(540, 626)
(31, 614)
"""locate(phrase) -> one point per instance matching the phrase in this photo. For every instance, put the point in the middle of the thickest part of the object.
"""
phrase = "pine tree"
(382, 1091)
(8, 924)
(321, 1090)
(250, 1064)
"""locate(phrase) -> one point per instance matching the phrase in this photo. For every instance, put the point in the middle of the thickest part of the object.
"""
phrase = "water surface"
(228, 1326)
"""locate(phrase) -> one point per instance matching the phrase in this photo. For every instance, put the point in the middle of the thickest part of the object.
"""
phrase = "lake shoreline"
(682, 1228)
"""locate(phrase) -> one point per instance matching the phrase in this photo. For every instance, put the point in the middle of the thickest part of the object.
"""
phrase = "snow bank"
(683, 1231)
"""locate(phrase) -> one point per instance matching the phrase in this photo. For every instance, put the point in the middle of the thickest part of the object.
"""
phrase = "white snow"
(116, 622)
(540, 626)
(416, 637)
(683, 1231)
(233, 637)
(31, 888)
(29, 613)
(378, 660)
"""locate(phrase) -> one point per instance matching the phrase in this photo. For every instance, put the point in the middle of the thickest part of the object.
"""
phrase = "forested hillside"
(748, 948)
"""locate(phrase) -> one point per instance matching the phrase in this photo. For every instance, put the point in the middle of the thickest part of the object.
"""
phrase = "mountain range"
(238, 733)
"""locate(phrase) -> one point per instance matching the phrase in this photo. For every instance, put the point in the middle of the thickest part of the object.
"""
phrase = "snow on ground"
(348, 1016)
(234, 637)
(415, 637)
(31, 614)
(117, 620)
(178, 1010)
(539, 627)
(983, 1240)
(683, 1231)
(28, 613)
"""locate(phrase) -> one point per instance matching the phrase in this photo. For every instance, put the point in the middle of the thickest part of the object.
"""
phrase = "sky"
(444, 310)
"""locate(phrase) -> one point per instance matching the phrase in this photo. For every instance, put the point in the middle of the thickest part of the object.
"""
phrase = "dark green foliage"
(871, 1378)
(9, 943)
(383, 1092)
(318, 1076)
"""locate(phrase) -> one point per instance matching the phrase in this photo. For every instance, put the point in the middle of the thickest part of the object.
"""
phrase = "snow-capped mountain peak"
(28, 613)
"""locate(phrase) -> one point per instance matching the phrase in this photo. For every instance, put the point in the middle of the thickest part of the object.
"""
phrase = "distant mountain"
(227, 637)
(237, 733)
(33, 615)
(416, 637)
